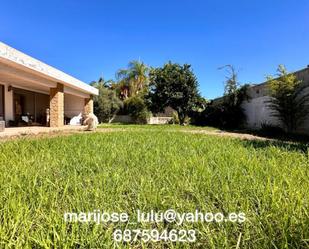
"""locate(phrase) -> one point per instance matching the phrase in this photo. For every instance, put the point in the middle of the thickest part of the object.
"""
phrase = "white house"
(31, 91)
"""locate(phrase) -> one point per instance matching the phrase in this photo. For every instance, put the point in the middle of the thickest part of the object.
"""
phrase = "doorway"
(29, 107)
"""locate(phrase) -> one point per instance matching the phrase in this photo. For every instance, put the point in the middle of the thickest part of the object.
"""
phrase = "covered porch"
(33, 93)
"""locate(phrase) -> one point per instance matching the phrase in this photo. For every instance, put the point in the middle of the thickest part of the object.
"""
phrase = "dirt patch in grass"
(52, 134)
(193, 130)
(228, 134)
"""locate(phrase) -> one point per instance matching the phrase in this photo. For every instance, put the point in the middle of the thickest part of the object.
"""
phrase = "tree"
(226, 112)
(132, 80)
(136, 107)
(101, 82)
(233, 115)
(176, 86)
(231, 83)
(289, 102)
(106, 104)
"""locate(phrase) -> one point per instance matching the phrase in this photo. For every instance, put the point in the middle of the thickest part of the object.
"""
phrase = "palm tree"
(133, 79)
(102, 83)
(122, 88)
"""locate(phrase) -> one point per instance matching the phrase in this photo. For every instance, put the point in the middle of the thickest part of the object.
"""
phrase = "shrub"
(137, 109)
(225, 115)
(106, 105)
(289, 100)
(175, 118)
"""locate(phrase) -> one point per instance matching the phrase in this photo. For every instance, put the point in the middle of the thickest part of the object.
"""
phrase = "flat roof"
(12, 55)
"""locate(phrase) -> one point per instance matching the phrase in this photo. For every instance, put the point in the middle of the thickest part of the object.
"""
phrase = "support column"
(88, 107)
(56, 105)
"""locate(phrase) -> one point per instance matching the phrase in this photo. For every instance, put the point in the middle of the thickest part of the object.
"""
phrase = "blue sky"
(88, 39)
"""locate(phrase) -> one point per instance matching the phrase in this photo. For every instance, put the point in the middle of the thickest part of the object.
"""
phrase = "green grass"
(153, 168)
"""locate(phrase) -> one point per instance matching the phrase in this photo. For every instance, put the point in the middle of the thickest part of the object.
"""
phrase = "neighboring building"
(167, 112)
(164, 117)
(257, 111)
(29, 87)
(157, 118)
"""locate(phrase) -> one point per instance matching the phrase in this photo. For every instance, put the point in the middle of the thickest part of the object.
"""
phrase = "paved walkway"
(35, 130)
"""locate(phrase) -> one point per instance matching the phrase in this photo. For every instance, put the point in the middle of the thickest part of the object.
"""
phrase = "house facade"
(32, 92)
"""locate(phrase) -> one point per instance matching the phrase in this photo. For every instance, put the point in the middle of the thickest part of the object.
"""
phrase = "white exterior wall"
(258, 113)
(159, 120)
(305, 127)
(73, 105)
(8, 103)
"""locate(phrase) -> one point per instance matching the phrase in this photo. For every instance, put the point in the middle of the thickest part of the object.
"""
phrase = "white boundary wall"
(259, 113)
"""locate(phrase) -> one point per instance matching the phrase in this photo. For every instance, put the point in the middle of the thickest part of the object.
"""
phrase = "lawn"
(153, 168)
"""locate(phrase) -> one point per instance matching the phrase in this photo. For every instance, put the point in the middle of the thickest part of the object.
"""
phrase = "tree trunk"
(181, 117)
(111, 119)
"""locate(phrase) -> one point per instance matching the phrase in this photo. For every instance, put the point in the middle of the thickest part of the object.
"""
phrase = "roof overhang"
(15, 59)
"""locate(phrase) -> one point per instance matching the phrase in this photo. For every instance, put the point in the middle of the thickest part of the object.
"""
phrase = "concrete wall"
(73, 105)
(159, 120)
(305, 127)
(257, 111)
(126, 119)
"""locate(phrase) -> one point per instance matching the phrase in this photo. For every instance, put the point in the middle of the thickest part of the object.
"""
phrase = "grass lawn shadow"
(285, 145)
